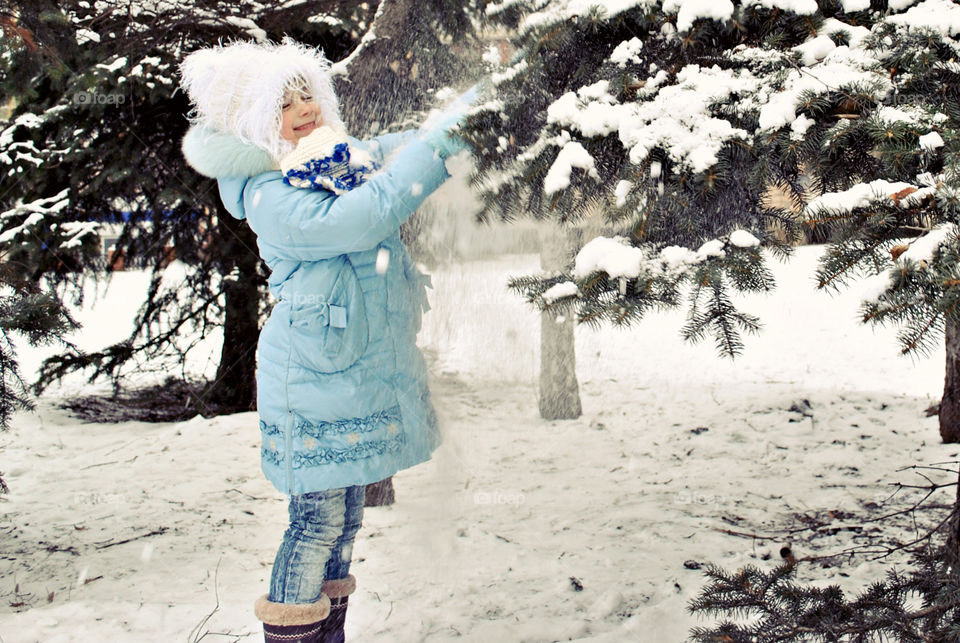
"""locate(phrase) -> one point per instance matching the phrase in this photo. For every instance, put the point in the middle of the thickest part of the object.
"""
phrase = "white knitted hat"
(238, 88)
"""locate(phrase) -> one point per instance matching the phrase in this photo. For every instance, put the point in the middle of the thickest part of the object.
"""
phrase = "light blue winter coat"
(341, 385)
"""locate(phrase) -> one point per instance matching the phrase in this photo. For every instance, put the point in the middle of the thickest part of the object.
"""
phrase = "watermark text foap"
(94, 498)
(97, 98)
(498, 497)
(684, 498)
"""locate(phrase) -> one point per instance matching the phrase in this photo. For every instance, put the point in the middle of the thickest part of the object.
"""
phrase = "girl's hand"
(443, 137)
(440, 128)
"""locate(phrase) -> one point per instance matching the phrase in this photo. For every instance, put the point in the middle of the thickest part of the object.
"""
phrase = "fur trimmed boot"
(338, 591)
(292, 622)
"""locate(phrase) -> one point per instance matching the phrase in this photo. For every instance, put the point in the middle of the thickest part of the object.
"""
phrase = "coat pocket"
(329, 331)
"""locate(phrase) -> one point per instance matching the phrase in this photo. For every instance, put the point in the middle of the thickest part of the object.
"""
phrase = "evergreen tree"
(94, 137)
(97, 113)
(674, 119)
(671, 121)
(770, 606)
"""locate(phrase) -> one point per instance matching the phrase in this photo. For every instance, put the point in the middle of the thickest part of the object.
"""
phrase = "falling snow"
(383, 261)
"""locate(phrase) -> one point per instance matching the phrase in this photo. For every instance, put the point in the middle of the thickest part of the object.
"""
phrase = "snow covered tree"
(94, 137)
(672, 122)
(96, 112)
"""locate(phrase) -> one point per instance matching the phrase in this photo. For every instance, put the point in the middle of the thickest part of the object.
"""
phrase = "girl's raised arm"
(310, 225)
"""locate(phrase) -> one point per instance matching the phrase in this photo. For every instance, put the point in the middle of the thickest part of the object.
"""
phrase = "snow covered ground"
(166, 532)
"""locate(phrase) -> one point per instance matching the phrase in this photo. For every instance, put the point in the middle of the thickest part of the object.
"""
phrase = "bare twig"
(99, 464)
(246, 494)
(743, 534)
(195, 635)
(882, 550)
(155, 532)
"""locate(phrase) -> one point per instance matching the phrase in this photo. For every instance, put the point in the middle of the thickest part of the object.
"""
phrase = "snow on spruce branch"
(677, 119)
(118, 63)
(77, 231)
(862, 195)
(942, 16)
(15, 154)
(842, 69)
(558, 11)
(920, 252)
(689, 11)
(685, 117)
(561, 290)
(510, 73)
(620, 260)
(251, 28)
(36, 212)
(572, 154)
(342, 67)
(27, 120)
(682, 117)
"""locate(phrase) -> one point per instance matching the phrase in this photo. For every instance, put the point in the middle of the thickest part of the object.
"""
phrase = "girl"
(341, 386)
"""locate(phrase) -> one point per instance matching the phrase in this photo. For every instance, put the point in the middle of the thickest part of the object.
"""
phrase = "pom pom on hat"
(238, 88)
(324, 159)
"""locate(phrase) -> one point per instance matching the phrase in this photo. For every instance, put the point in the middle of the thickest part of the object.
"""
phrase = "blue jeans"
(318, 544)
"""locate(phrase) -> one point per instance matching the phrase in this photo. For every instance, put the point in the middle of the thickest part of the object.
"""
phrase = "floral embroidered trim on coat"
(269, 429)
(313, 431)
(352, 425)
(365, 450)
(329, 456)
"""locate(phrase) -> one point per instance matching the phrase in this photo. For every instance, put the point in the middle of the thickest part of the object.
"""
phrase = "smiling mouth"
(305, 127)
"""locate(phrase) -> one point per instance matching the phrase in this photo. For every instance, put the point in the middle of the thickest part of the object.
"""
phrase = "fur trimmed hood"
(219, 155)
(228, 159)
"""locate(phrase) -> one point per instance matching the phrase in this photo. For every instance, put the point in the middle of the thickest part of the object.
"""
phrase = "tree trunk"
(235, 387)
(950, 403)
(950, 431)
(380, 494)
(952, 550)
(559, 391)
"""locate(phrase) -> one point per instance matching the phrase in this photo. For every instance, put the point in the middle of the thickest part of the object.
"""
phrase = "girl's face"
(300, 115)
